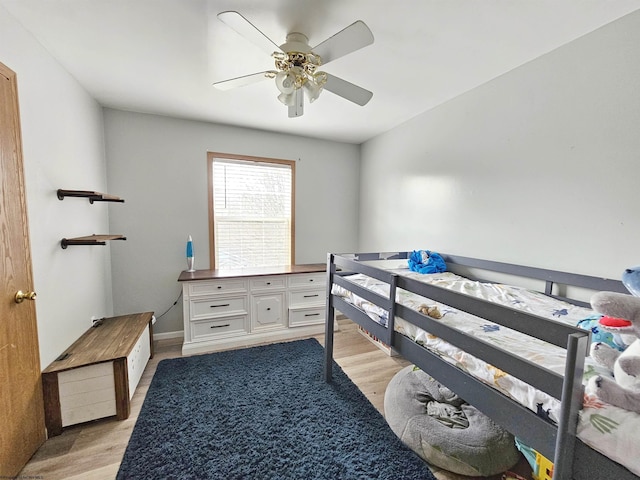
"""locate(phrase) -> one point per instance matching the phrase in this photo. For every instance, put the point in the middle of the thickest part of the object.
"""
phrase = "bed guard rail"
(553, 441)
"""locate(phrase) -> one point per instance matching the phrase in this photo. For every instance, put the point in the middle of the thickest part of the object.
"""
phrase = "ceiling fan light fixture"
(297, 70)
(288, 99)
(286, 82)
(315, 84)
(313, 90)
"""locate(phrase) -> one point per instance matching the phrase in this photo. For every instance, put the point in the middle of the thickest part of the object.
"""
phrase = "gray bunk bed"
(572, 458)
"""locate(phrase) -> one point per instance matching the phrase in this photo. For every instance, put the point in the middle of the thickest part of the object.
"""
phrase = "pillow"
(425, 261)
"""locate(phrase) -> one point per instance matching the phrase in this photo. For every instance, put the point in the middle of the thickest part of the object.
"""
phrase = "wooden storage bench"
(97, 375)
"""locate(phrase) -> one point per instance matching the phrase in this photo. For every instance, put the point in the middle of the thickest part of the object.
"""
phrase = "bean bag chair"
(443, 429)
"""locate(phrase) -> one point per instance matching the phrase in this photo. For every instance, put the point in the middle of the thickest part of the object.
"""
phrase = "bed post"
(329, 319)
(572, 398)
(393, 284)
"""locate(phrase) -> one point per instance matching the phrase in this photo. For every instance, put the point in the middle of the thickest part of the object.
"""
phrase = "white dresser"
(233, 308)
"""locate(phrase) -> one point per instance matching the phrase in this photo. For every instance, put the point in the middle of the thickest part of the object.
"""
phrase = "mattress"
(604, 427)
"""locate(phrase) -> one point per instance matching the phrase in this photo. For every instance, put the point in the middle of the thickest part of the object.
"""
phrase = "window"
(251, 211)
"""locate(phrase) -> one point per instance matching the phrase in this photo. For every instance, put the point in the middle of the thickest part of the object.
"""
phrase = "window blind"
(251, 213)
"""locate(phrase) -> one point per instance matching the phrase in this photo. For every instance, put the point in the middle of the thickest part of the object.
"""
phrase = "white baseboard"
(168, 335)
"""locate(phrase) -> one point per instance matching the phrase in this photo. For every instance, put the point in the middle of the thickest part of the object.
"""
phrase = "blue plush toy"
(631, 280)
(426, 261)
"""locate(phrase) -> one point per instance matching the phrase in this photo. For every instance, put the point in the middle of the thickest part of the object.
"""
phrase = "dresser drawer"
(216, 287)
(222, 327)
(307, 297)
(217, 307)
(306, 316)
(302, 280)
(267, 283)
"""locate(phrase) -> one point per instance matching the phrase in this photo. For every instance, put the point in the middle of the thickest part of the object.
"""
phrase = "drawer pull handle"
(219, 287)
(268, 308)
(311, 314)
(310, 296)
(268, 283)
(222, 305)
(221, 326)
(311, 279)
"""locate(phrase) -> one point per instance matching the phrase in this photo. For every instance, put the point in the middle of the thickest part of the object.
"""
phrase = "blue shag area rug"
(262, 413)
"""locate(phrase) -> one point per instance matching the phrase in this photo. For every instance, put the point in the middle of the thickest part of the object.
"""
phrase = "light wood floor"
(93, 451)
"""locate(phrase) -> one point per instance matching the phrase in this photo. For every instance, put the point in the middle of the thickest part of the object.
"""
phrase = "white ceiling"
(161, 56)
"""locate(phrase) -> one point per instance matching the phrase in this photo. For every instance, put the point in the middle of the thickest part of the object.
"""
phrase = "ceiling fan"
(297, 63)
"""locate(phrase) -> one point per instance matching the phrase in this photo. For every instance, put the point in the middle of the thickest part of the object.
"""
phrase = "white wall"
(539, 166)
(159, 166)
(63, 145)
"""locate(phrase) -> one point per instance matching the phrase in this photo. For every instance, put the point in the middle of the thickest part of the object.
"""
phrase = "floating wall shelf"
(90, 240)
(91, 195)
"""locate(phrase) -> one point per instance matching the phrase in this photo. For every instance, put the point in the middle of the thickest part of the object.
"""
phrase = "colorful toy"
(599, 334)
(541, 466)
(545, 468)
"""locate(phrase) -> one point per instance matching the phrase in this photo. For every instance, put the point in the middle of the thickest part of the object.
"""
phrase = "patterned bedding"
(604, 427)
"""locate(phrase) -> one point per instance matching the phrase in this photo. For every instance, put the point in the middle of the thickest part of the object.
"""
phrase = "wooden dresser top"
(251, 272)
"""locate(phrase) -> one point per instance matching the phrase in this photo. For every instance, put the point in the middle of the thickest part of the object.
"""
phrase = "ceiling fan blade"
(248, 30)
(242, 81)
(348, 90)
(350, 39)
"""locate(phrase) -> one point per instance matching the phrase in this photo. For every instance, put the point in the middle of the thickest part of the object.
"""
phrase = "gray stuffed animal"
(621, 315)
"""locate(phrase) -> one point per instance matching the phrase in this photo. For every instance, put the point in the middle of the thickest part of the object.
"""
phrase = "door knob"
(21, 296)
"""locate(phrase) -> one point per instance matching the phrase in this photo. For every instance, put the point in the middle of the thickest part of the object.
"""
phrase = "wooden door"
(21, 406)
